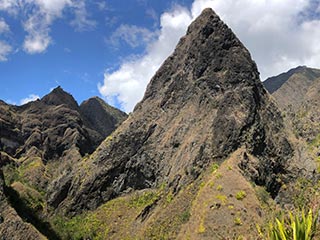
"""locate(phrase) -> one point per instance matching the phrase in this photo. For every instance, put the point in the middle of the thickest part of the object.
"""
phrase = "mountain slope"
(204, 103)
(299, 98)
(290, 88)
(38, 141)
(100, 116)
(11, 225)
(272, 84)
(53, 124)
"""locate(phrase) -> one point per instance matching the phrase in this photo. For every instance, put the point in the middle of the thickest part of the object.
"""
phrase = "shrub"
(237, 221)
(214, 167)
(241, 195)
(219, 188)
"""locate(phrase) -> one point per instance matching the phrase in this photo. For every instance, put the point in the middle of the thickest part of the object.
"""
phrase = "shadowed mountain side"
(11, 225)
(100, 116)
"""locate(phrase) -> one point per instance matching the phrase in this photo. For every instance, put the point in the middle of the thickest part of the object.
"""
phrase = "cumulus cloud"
(133, 35)
(38, 29)
(38, 17)
(30, 98)
(38, 24)
(5, 50)
(279, 34)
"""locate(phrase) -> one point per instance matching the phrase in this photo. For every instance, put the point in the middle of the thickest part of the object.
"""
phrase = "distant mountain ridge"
(299, 98)
(38, 141)
(272, 84)
(37, 123)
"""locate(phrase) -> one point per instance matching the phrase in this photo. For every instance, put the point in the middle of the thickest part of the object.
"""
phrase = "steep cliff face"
(299, 99)
(205, 102)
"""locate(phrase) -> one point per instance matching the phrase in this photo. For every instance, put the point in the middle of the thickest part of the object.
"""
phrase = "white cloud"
(43, 14)
(4, 27)
(102, 5)
(53, 7)
(133, 35)
(11, 6)
(40, 15)
(38, 39)
(9, 101)
(82, 21)
(277, 34)
(5, 50)
(128, 83)
(30, 98)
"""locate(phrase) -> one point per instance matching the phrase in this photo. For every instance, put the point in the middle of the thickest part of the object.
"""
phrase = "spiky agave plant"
(301, 226)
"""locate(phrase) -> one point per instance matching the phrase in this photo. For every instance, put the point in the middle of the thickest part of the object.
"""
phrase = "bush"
(241, 195)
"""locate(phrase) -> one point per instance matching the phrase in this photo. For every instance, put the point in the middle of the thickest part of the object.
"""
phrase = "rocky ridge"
(205, 102)
(291, 88)
(38, 141)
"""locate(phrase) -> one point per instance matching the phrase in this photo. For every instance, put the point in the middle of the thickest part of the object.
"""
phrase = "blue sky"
(111, 48)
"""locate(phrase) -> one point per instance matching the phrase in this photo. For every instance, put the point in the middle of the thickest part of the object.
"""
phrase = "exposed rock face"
(299, 99)
(37, 141)
(205, 102)
(100, 116)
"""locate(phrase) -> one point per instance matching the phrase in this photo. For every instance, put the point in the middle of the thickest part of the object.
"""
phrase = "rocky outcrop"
(205, 102)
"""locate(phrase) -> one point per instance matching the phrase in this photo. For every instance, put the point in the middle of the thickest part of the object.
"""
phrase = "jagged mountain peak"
(205, 102)
(209, 56)
(96, 101)
(101, 115)
(58, 96)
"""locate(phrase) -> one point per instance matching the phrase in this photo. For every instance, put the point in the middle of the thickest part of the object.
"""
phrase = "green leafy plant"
(219, 188)
(214, 167)
(301, 226)
(241, 195)
(237, 221)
